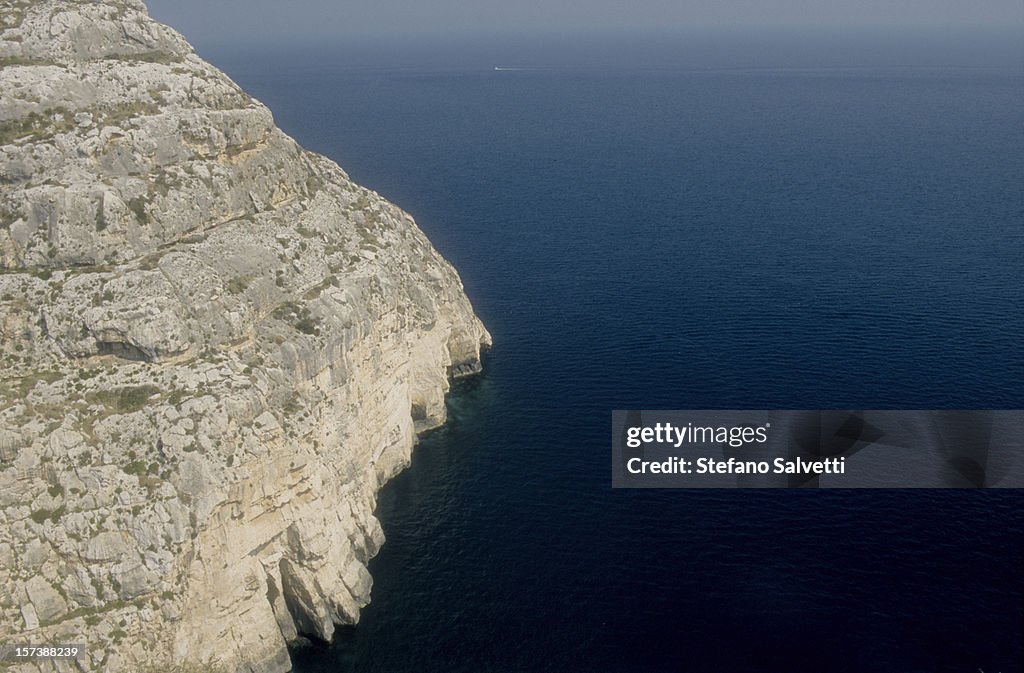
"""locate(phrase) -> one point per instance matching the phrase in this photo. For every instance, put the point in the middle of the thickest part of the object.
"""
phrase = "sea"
(758, 220)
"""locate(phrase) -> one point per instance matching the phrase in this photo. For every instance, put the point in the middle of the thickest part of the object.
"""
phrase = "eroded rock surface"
(215, 349)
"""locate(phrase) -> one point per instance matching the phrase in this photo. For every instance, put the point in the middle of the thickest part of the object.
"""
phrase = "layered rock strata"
(215, 349)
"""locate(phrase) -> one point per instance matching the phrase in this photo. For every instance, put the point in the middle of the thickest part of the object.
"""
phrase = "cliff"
(215, 350)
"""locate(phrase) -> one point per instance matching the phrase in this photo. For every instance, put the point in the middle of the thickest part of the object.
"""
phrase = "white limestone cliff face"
(215, 349)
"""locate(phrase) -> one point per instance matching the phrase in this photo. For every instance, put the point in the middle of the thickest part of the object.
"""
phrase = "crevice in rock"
(123, 350)
(305, 607)
(280, 609)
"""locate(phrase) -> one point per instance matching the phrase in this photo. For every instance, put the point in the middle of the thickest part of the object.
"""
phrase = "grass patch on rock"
(125, 400)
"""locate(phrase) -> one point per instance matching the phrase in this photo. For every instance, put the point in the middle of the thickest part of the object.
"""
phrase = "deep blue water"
(707, 226)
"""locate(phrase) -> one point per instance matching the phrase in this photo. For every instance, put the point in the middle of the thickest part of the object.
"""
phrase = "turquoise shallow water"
(839, 228)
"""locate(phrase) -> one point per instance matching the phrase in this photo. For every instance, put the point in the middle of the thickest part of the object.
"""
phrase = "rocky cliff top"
(215, 348)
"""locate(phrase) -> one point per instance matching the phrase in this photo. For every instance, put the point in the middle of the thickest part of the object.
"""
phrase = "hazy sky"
(209, 20)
